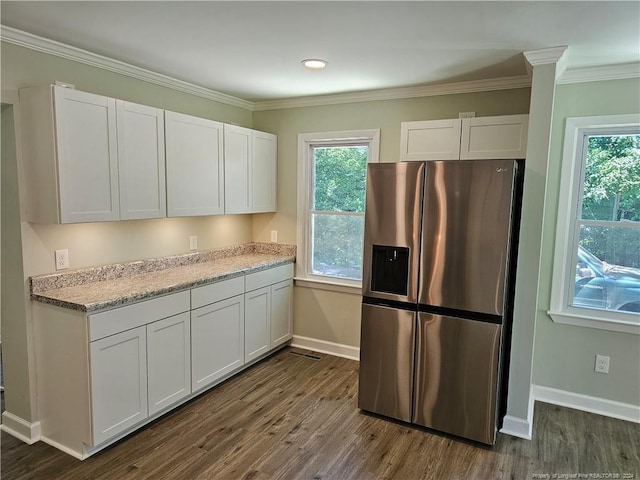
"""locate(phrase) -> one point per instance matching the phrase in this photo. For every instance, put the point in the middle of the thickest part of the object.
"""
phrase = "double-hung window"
(596, 277)
(332, 172)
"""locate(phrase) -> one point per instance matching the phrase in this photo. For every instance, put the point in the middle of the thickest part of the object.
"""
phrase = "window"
(332, 172)
(596, 278)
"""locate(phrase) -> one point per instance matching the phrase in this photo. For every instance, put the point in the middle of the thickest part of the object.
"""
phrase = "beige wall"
(97, 243)
(333, 316)
(564, 355)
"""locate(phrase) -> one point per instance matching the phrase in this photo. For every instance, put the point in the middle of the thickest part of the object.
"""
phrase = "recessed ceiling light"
(314, 63)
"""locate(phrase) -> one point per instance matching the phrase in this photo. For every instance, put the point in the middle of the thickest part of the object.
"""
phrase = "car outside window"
(608, 224)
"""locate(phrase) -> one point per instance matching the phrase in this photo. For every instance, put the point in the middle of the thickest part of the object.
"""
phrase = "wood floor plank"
(293, 417)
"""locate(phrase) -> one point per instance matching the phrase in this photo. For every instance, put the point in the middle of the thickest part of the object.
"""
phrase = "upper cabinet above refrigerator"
(465, 138)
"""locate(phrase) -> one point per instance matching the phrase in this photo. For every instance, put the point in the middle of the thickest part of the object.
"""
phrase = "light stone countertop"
(99, 288)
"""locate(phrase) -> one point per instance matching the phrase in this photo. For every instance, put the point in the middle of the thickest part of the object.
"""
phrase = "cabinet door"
(281, 312)
(257, 323)
(118, 383)
(195, 169)
(237, 169)
(169, 361)
(264, 172)
(217, 341)
(494, 137)
(430, 140)
(141, 166)
(86, 143)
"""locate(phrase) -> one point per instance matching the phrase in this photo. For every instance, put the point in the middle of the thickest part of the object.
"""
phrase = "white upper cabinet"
(264, 172)
(494, 137)
(90, 158)
(70, 154)
(430, 140)
(250, 159)
(195, 170)
(238, 148)
(465, 139)
(141, 169)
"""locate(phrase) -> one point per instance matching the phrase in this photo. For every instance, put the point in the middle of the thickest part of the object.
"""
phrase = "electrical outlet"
(602, 364)
(466, 114)
(274, 236)
(193, 242)
(62, 259)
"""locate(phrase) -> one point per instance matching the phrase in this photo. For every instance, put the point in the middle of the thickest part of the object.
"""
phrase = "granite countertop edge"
(56, 296)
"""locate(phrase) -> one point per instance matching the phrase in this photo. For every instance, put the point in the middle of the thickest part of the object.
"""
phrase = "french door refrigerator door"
(392, 231)
(456, 372)
(386, 361)
(465, 234)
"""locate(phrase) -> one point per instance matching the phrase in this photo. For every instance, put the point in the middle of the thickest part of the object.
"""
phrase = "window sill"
(328, 285)
(592, 319)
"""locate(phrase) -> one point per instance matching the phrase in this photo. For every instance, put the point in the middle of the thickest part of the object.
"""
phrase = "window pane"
(608, 268)
(612, 178)
(339, 178)
(337, 245)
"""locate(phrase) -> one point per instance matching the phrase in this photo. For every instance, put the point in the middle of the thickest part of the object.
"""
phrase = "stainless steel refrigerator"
(439, 255)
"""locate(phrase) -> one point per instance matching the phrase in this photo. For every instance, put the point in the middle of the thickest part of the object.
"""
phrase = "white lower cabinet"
(257, 320)
(217, 341)
(281, 312)
(121, 367)
(169, 361)
(268, 310)
(118, 383)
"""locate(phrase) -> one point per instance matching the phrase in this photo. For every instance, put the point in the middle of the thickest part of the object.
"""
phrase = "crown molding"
(545, 55)
(535, 57)
(596, 74)
(51, 47)
(504, 83)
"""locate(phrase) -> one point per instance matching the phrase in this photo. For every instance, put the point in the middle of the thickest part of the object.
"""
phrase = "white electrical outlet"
(602, 364)
(193, 242)
(274, 236)
(62, 259)
(466, 114)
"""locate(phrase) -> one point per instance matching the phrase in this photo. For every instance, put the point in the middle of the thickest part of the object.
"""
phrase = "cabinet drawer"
(270, 276)
(120, 319)
(215, 292)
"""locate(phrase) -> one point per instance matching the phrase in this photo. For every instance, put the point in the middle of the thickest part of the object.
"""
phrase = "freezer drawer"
(386, 361)
(456, 377)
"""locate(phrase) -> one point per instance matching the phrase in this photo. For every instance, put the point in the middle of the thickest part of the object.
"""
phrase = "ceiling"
(253, 50)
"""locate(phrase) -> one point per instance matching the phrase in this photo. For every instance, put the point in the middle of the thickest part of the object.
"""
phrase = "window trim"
(566, 243)
(306, 141)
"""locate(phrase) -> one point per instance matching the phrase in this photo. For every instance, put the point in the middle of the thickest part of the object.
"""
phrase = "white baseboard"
(322, 346)
(64, 448)
(17, 427)
(517, 427)
(600, 406)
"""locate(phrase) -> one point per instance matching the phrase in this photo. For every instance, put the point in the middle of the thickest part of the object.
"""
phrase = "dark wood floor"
(293, 417)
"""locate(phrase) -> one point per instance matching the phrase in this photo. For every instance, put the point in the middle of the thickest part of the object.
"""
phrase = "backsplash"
(71, 278)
